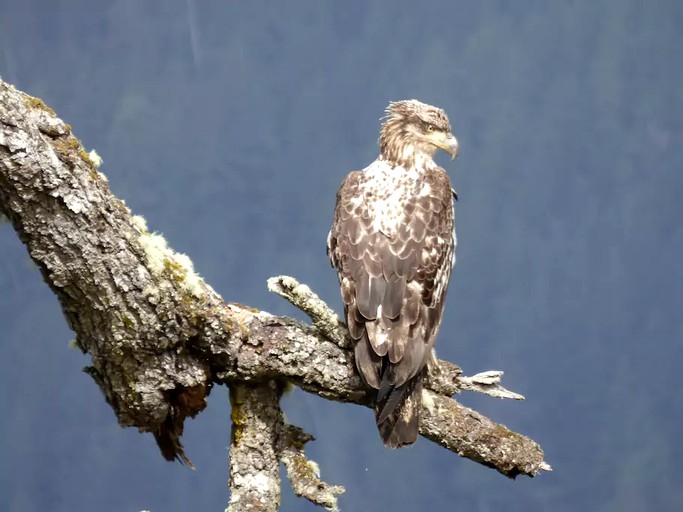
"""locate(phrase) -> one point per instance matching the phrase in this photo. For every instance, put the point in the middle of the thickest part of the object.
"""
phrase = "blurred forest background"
(230, 125)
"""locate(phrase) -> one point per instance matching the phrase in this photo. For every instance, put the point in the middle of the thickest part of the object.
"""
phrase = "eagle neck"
(408, 157)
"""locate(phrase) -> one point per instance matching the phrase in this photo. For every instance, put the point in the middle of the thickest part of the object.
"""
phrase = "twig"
(304, 474)
(324, 319)
(488, 383)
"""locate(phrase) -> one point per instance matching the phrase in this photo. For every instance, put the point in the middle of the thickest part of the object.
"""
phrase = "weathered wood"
(257, 425)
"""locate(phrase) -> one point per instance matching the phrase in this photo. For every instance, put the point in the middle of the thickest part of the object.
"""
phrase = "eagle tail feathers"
(398, 413)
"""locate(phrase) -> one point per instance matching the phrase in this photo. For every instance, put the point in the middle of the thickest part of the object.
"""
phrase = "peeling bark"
(160, 337)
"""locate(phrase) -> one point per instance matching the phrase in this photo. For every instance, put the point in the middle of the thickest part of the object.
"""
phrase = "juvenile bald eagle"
(393, 246)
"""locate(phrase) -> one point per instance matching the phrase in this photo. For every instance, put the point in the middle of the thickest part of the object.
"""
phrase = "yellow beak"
(445, 141)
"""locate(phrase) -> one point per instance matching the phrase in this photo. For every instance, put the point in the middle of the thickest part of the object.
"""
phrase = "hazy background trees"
(570, 121)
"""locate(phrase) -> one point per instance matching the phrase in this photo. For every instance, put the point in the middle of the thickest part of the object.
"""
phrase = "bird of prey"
(392, 243)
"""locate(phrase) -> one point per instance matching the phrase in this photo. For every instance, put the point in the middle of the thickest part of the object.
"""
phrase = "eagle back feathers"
(392, 243)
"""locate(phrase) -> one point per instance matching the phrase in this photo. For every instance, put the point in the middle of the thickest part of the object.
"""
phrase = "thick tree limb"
(160, 337)
(257, 425)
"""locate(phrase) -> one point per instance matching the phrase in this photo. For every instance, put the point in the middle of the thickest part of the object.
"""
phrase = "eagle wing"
(393, 285)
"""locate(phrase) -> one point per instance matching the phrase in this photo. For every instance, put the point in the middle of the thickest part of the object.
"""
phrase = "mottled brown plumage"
(392, 243)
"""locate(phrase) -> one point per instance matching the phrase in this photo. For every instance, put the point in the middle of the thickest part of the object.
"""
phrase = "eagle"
(392, 243)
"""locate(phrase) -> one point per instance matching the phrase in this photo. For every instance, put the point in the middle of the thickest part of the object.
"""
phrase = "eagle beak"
(451, 146)
(445, 141)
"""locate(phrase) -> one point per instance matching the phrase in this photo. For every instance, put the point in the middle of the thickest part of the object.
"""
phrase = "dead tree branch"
(160, 337)
(257, 425)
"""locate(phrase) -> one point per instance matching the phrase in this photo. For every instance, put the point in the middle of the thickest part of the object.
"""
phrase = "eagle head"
(413, 131)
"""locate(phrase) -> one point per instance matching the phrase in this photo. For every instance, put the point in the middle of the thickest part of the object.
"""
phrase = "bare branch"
(472, 435)
(304, 474)
(489, 384)
(254, 456)
(324, 319)
(160, 337)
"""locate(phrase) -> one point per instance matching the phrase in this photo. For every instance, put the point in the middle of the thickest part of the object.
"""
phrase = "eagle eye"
(431, 127)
